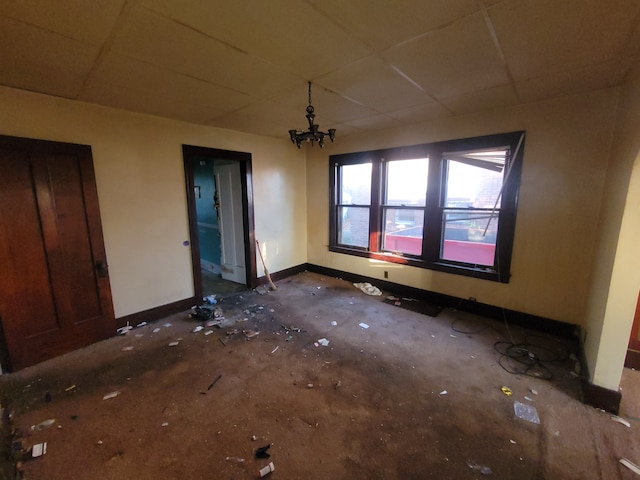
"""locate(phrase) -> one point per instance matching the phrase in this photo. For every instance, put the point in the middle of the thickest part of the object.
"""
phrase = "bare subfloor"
(409, 397)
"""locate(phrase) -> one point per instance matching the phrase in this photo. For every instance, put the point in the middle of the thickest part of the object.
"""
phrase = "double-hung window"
(447, 206)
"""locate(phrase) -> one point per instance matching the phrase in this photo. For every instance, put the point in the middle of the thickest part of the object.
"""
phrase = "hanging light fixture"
(313, 134)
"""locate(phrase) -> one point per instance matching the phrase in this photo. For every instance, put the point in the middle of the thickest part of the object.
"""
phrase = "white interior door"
(230, 221)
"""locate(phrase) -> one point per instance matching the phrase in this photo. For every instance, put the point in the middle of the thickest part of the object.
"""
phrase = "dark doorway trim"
(190, 155)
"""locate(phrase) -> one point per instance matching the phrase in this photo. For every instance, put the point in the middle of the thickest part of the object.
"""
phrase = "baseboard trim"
(632, 360)
(534, 322)
(156, 313)
(600, 397)
(282, 274)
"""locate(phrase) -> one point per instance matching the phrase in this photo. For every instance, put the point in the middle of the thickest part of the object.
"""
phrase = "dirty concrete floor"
(406, 398)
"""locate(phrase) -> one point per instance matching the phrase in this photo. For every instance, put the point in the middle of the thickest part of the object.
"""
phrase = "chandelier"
(313, 134)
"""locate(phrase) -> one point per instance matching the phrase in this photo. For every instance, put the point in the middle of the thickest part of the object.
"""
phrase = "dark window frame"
(434, 210)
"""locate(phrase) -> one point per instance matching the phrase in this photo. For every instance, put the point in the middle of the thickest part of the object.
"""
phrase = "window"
(447, 206)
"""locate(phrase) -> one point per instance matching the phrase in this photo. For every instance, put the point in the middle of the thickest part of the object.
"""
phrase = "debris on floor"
(363, 325)
(261, 290)
(275, 349)
(526, 412)
(507, 391)
(248, 334)
(210, 300)
(483, 469)
(324, 342)
(111, 395)
(630, 465)
(44, 424)
(261, 452)
(264, 471)
(620, 420)
(234, 459)
(290, 328)
(367, 288)
(39, 449)
(124, 330)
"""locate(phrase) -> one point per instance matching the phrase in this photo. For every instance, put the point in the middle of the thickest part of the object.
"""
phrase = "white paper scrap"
(111, 395)
(630, 465)
(364, 325)
(39, 449)
(324, 342)
(621, 420)
(174, 344)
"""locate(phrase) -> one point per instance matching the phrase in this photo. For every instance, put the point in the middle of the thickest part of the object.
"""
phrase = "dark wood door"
(54, 286)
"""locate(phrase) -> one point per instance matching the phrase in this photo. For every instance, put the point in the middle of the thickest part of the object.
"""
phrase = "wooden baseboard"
(282, 274)
(534, 322)
(156, 313)
(600, 397)
(632, 360)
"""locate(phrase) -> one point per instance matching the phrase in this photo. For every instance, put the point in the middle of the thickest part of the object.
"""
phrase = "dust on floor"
(408, 397)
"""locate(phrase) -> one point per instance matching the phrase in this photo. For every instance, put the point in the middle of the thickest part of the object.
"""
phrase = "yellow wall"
(141, 189)
(616, 278)
(565, 163)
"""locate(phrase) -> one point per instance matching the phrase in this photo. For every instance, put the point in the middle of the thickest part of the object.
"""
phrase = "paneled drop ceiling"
(244, 64)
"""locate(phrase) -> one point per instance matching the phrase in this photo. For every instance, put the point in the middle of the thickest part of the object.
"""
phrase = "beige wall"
(565, 163)
(140, 178)
(616, 279)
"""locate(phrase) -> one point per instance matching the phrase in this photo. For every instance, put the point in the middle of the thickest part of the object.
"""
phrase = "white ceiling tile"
(289, 33)
(149, 37)
(86, 20)
(43, 61)
(570, 81)
(375, 122)
(373, 83)
(245, 123)
(539, 37)
(451, 61)
(382, 24)
(420, 113)
(144, 102)
(491, 98)
(144, 77)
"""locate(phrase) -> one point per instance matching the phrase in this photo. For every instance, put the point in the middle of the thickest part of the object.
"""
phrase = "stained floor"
(410, 397)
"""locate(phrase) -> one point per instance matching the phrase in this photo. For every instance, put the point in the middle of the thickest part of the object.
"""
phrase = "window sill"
(467, 270)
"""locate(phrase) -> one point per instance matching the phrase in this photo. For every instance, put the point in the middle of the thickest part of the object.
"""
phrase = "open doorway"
(220, 219)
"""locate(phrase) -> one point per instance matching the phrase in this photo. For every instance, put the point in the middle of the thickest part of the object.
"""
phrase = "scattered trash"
(290, 328)
(208, 332)
(165, 424)
(222, 342)
(233, 331)
(43, 425)
(39, 449)
(512, 441)
(174, 344)
(261, 452)
(111, 395)
(275, 349)
(167, 325)
(199, 328)
(201, 313)
(620, 420)
(534, 391)
(367, 288)
(334, 323)
(483, 469)
(337, 385)
(261, 290)
(155, 330)
(250, 333)
(309, 385)
(526, 412)
(72, 387)
(452, 335)
(630, 465)
(210, 300)
(363, 325)
(443, 392)
(507, 391)
(254, 438)
(528, 399)
(324, 342)
(264, 471)
(127, 349)
(124, 330)
(214, 382)
(234, 459)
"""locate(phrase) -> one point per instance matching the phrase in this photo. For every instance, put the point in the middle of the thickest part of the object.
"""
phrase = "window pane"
(356, 184)
(474, 179)
(407, 182)
(353, 226)
(403, 230)
(464, 239)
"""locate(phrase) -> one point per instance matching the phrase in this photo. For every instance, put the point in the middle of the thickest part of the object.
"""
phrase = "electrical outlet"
(386, 274)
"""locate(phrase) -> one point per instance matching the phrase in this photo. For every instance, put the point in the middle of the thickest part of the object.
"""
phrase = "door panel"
(53, 299)
(230, 223)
